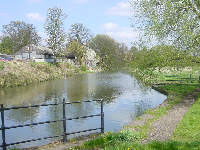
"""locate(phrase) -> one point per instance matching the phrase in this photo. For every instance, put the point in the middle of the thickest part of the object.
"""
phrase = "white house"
(35, 53)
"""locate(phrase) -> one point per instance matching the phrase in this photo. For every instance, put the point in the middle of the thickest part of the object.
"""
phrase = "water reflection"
(125, 100)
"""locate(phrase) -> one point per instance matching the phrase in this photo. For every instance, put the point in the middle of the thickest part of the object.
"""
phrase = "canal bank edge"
(144, 125)
(16, 73)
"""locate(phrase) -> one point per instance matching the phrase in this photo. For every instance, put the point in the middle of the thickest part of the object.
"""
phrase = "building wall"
(34, 57)
(44, 60)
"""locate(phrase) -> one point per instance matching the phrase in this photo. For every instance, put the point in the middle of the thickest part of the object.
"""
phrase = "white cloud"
(121, 33)
(120, 9)
(110, 26)
(124, 35)
(35, 16)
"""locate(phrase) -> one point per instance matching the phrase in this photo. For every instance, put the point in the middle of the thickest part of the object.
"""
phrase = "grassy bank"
(130, 137)
(189, 128)
(157, 76)
(23, 73)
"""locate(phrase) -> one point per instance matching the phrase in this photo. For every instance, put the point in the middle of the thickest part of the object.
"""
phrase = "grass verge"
(189, 128)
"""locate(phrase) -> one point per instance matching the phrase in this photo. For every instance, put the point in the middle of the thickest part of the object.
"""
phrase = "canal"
(125, 99)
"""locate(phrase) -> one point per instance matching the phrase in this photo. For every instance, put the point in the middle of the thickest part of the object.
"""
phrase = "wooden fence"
(64, 119)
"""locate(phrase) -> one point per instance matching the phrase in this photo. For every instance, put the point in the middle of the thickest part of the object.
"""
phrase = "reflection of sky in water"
(124, 98)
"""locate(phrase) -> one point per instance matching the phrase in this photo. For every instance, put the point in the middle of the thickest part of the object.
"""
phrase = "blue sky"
(100, 16)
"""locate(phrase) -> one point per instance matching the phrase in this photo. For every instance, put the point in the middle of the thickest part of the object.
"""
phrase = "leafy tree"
(79, 33)
(55, 29)
(19, 34)
(176, 21)
(122, 51)
(77, 49)
(106, 48)
(130, 54)
(6, 46)
(162, 56)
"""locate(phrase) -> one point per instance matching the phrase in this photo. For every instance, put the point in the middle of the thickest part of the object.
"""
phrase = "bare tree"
(55, 29)
(78, 32)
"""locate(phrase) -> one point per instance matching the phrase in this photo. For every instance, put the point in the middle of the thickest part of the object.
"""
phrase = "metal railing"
(64, 119)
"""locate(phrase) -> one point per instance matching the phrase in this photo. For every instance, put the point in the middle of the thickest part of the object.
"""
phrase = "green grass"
(170, 145)
(155, 145)
(154, 76)
(176, 93)
(189, 128)
(1, 65)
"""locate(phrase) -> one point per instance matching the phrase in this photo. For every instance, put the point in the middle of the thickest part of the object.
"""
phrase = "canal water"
(125, 99)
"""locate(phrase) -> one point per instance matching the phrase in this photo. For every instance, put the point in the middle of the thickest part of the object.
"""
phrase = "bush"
(83, 68)
(1, 65)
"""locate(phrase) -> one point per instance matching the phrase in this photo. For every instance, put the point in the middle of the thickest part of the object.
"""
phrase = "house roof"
(39, 49)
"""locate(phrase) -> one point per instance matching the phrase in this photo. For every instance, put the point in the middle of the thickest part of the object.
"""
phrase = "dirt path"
(163, 128)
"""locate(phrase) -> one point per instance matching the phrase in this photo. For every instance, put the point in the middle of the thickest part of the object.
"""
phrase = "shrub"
(1, 65)
(83, 68)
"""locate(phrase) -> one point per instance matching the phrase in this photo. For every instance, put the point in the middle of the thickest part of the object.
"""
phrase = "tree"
(79, 33)
(122, 51)
(55, 29)
(76, 49)
(19, 34)
(106, 48)
(130, 54)
(6, 46)
(177, 21)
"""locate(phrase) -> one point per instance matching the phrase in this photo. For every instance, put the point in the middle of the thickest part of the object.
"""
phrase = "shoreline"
(15, 74)
(145, 123)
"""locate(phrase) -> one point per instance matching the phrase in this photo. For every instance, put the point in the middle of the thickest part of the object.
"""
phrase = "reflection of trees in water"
(74, 110)
(140, 107)
(22, 115)
(107, 93)
(77, 89)
(55, 113)
(34, 94)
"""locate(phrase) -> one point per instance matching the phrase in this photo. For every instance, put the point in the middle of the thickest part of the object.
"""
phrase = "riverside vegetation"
(18, 73)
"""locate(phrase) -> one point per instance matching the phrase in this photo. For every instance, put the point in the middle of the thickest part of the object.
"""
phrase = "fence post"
(3, 128)
(64, 122)
(102, 117)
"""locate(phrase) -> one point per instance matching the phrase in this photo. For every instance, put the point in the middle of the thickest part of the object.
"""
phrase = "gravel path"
(163, 128)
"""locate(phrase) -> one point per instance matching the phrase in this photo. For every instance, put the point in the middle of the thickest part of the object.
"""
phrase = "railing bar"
(68, 103)
(50, 137)
(21, 107)
(83, 131)
(34, 124)
(83, 117)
